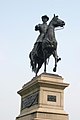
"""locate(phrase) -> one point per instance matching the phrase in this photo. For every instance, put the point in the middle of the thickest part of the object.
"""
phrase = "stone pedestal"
(43, 98)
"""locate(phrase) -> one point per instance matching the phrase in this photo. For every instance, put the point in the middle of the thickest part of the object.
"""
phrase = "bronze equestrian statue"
(46, 44)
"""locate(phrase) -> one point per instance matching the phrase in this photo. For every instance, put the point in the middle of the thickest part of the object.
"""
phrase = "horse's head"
(56, 22)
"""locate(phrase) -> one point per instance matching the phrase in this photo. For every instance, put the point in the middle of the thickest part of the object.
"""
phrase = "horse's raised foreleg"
(55, 67)
(56, 60)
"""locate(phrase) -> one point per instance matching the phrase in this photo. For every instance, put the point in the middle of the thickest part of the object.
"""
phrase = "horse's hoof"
(54, 70)
(36, 75)
(58, 59)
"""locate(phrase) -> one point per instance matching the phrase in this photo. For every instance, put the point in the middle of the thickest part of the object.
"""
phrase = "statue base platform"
(43, 98)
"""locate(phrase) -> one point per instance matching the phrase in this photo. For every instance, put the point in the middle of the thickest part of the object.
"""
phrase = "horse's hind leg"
(44, 52)
(40, 62)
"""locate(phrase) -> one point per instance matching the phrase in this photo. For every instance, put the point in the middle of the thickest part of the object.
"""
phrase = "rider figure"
(42, 28)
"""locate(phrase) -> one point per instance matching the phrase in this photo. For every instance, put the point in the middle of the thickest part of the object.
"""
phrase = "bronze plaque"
(51, 98)
(29, 101)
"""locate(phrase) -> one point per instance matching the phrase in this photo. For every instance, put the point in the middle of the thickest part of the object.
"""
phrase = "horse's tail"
(32, 62)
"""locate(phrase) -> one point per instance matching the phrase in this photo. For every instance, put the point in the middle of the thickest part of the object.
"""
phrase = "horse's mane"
(49, 26)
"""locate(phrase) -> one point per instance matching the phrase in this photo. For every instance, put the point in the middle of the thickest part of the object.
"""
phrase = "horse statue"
(47, 48)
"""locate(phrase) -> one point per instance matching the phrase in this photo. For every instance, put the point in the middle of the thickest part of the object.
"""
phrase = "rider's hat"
(45, 16)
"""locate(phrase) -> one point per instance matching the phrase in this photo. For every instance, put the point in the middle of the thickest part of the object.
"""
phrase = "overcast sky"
(17, 36)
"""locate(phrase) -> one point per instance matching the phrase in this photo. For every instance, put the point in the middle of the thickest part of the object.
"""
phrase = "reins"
(59, 29)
